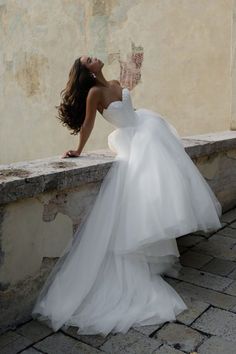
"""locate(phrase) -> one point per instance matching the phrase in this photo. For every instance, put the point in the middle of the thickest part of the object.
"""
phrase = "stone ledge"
(26, 179)
(206, 144)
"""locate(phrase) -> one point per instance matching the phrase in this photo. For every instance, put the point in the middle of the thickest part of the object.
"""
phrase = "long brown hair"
(72, 109)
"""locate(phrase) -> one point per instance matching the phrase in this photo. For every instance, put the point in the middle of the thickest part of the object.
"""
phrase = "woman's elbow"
(87, 127)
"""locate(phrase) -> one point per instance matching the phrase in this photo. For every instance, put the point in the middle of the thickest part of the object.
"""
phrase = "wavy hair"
(72, 109)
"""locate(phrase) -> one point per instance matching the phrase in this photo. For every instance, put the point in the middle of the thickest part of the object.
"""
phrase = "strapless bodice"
(121, 113)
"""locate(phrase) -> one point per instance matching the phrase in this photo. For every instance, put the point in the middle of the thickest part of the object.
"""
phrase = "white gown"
(108, 278)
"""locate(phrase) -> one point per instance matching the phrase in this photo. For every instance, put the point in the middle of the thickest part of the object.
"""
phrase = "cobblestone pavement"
(207, 283)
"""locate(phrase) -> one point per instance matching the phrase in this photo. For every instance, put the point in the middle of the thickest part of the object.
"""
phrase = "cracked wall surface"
(39, 227)
(33, 234)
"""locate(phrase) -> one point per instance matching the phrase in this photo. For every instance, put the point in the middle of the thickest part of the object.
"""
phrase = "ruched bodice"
(121, 113)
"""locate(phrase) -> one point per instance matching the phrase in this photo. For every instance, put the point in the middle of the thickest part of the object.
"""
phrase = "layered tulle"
(164, 194)
(109, 276)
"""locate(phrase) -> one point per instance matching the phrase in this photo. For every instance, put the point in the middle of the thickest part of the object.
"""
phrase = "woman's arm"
(92, 102)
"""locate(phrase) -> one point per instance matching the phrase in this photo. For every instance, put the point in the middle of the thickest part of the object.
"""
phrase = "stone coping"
(206, 144)
(26, 179)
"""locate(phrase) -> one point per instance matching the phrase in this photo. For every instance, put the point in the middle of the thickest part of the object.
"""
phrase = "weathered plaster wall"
(218, 170)
(233, 68)
(34, 233)
(34, 228)
(173, 55)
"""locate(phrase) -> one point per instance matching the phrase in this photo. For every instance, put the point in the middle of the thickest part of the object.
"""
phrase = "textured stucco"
(209, 165)
(25, 237)
(39, 227)
(233, 68)
(173, 55)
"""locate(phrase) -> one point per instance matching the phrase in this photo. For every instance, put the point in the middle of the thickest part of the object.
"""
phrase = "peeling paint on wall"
(231, 154)
(74, 203)
(209, 165)
(107, 16)
(112, 57)
(28, 72)
(2, 213)
(130, 70)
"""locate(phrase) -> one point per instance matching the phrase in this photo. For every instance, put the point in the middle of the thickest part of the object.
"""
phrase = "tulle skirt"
(109, 277)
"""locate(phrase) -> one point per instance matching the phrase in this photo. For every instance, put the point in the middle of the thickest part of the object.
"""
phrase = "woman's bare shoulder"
(115, 82)
(94, 92)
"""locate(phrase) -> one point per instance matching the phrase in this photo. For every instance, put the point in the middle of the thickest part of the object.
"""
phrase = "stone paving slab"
(217, 322)
(219, 266)
(231, 290)
(93, 340)
(12, 342)
(147, 330)
(227, 231)
(223, 224)
(233, 225)
(7, 338)
(194, 259)
(180, 337)
(132, 342)
(204, 279)
(217, 246)
(194, 310)
(233, 309)
(208, 296)
(171, 281)
(223, 240)
(189, 240)
(229, 216)
(59, 343)
(216, 345)
(34, 330)
(232, 275)
(166, 349)
(30, 351)
(208, 234)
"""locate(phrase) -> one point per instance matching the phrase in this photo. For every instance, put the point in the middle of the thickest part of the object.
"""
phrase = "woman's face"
(92, 64)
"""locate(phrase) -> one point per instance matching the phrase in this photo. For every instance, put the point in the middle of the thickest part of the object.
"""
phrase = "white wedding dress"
(108, 278)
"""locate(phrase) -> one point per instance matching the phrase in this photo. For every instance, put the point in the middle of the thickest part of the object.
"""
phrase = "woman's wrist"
(78, 151)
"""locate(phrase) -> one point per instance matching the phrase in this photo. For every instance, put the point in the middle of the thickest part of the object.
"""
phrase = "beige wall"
(176, 54)
(233, 68)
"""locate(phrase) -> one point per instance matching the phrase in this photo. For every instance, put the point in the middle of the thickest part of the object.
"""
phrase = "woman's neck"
(101, 81)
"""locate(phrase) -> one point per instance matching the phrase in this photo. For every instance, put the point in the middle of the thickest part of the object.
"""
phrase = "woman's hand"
(70, 153)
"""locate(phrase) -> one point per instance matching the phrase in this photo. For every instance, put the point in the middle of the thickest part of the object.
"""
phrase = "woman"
(109, 277)
(93, 92)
